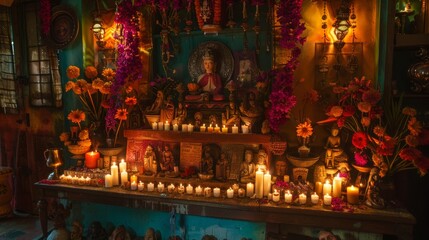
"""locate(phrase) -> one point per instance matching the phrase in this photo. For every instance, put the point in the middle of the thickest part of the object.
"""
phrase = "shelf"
(411, 40)
(201, 137)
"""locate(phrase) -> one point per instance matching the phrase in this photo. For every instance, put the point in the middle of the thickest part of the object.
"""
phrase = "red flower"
(410, 154)
(387, 146)
(349, 110)
(341, 121)
(361, 159)
(359, 140)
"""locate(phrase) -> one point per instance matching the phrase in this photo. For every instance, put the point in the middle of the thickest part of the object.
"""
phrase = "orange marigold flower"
(365, 121)
(129, 89)
(414, 126)
(97, 83)
(130, 101)
(76, 116)
(409, 111)
(72, 72)
(69, 85)
(412, 140)
(379, 131)
(121, 114)
(81, 86)
(91, 72)
(84, 134)
(109, 74)
(336, 111)
(304, 130)
(105, 89)
(91, 89)
(364, 107)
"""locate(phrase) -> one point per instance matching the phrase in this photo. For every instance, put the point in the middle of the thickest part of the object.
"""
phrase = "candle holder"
(54, 159)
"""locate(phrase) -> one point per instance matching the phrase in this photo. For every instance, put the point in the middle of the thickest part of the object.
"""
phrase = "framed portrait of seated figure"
(246, 68)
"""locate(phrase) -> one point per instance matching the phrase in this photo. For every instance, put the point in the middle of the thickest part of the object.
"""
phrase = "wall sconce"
(342, 25)
(98, 31)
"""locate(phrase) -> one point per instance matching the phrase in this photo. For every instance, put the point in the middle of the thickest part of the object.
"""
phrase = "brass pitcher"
(54, 159)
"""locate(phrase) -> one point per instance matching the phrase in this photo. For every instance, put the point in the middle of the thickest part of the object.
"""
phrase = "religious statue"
(210, 81)
(207, 161)
(250, 107)
(167, 161)
(149, 161)
(96, 232)
(198, 118)
(180, 114)
(247, 168)
(262, 160)
(280, 168)
(221, 167)
(334, 152)
(167, 110)
(231, 116)
(372, 192)
(150, 234)
(156, 106)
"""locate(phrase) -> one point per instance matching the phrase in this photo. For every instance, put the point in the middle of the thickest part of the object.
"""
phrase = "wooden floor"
(20, 227)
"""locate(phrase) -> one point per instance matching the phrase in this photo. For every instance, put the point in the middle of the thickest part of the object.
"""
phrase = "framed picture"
(246, 69)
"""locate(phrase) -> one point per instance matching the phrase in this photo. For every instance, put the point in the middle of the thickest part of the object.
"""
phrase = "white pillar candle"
(327, 199)
(276, 196)
(124, 177)
(133, 186)
(319, 188)
(336, 186)
(154, 125)
(244, 129)
(122, 166)
(216, 192)
(302, 198)
(115, 174)
(314, 198)
(170, 188)
(108, 182)
(160, 126)
(150, 187)
(189, 189)
(234, 129)
(175, 127)
(199, 191)
(353, 195)
(190, 127)
(207, 192)
(181, 189)
(216, 129)
(288, 197)
(259, 181)
(267, 183)
(224, 129)
(160, 187)
(210, 128)
(140, 186)
(167, 126)
(203, 128)
(184, 127)
(327, 188)
(250, 189)
(230, 193)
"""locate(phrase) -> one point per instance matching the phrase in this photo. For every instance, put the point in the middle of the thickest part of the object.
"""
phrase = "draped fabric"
(8, 94)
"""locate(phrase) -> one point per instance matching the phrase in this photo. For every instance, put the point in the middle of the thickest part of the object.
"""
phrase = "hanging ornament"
(209, 14)
(230, 10)
(257, 26)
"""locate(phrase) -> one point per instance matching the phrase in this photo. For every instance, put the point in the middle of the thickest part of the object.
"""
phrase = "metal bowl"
(204, 176)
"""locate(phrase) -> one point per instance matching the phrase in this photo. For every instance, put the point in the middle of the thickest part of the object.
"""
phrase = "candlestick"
(189, 189)
(203, 128)
(230, 193)
(250, 189)
(124, 177)
(314, 198)
(259, 181)
(181, 189)
(288, 197)
(267, 183)
(302, 198)
(160, 126)
(336, 190)
(150, 187)
(327, 199)
(160, 187)
(217, 129)
(122, 166)
(115, 174)
(154, 126)
(108, 182)
(224, 129)
(91, 159)
(319, 188)
(207, 192)
(210, 128)
(198, 191)
(327, 188)
(133, 186)
(140, 186)
(234, 129)
(175, 127)
(276, 196)
(190, 127)
(244, 129)
(216, 192)
(352, 195)
(167, 126)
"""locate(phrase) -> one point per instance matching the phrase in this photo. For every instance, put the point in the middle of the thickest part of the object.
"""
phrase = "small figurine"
(150, 234)
(372, 192)
(96, 232)
(247, 168)
(167, 110)
(207, 161)
(262, 160)
(221, 167)
(334, 152)
(180, 114)
(120, 233)
(77, 231)
(149, 161)
(167, 161)
(250, 107)
(280, 168)
(231, 116)
(156, 106)
(198, 117)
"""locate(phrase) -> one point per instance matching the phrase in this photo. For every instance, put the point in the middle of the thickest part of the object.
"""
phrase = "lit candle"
(217, 129)
(175, 127)
(314, 198)
(302, 198)
(91, 159)
(189, 189)
(160, 126)
(199, 191)
(181, 188)
(81, 180)
(244, 129)
(241, 192)
(75, 180)
(155, 126)
(288, 197)
(352, 195)
(235, 187)
(170, 188)
(108, 181)
(250, 189)
(133, 186)
(203, 128)
(259, 181)
(69, 179)
(319, 188)
(115, 174)
(327, 188)
(87, 181)
(210, 128)
(224, 129)
(276, 196)
(184, 127)
(63, 178)
(167, 126)
(327, 199)
(122, 166)
(140, 186)
(336, 186)
(234, 129)
(190, 127)
(230, 193)
(207, 192)
(267, 183)
(150, 187)
(124, 177)
(286, 178)
(161, 187)
(216, 192)
(133, 178)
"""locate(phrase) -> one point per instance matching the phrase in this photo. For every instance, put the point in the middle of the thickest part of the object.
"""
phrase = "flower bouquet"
(77, 140)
